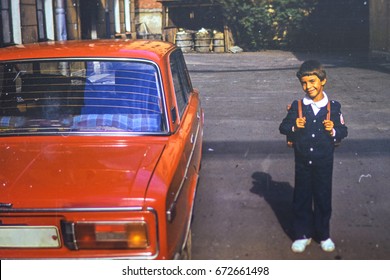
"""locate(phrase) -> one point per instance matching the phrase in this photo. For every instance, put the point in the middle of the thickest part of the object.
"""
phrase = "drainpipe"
(61, 32)
(61, 21)
(107, 19)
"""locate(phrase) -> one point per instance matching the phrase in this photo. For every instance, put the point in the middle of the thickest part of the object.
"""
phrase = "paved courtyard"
(243, 205)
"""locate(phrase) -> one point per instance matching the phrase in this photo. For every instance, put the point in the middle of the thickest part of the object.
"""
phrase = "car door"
(184, 185)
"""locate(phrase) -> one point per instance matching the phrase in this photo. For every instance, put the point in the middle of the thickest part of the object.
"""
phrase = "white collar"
(319, 104)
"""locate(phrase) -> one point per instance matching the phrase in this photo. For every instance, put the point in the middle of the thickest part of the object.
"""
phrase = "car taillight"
(106, 235)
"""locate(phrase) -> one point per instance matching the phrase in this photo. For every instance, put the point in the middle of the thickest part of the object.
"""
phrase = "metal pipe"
(61, 21)
(61, 32)
(107, 19)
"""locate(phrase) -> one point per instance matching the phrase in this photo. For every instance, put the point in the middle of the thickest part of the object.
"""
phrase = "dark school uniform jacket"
(313, 144)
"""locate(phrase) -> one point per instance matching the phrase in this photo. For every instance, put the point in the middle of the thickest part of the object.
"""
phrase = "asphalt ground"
(243, 204)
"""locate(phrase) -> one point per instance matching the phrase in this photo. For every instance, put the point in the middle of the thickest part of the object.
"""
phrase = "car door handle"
(192, 139)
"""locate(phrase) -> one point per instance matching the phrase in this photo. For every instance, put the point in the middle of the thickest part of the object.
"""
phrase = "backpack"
(290, 143)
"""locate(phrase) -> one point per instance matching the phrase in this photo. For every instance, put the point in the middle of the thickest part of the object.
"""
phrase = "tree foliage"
(276, 24)
(263, 24)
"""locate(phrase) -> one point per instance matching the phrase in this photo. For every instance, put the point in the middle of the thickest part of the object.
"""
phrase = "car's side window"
(181, 80)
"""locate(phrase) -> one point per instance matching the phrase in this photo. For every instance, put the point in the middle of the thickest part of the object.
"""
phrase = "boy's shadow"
(278, 195)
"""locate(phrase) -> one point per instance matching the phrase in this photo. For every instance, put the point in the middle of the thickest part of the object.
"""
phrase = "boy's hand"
(328, 124)
(300, 122)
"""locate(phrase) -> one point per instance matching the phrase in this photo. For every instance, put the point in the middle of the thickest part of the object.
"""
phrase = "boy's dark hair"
(311, 67)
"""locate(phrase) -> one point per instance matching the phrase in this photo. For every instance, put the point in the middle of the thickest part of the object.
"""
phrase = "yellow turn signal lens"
(111, 235)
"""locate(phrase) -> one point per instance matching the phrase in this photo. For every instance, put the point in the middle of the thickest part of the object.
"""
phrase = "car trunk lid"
(38, 174)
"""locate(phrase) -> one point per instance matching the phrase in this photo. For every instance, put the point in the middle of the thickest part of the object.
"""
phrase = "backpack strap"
(328, 114)
(290, 143)
(300, 108)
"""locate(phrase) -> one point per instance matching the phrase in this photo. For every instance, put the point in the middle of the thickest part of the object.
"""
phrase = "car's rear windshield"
(81, 96)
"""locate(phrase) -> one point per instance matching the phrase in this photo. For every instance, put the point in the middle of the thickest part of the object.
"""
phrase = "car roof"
(142, 49)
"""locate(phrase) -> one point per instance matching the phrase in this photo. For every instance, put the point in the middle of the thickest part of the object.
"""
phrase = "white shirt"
(316, 106)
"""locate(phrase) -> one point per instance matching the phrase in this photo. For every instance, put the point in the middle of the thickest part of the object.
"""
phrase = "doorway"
(88, 18)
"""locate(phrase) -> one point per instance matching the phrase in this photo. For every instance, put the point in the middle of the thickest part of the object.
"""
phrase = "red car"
(100, 150)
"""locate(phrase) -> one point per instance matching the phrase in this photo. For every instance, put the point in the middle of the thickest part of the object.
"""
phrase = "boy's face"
(313, 87)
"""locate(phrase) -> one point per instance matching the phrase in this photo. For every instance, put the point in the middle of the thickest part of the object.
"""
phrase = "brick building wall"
(28, 17)
(28, 21)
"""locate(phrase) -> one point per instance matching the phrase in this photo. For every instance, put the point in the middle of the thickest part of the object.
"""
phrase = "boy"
(314, 138)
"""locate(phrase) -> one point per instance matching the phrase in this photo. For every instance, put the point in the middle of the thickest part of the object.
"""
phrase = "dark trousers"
(312, 203)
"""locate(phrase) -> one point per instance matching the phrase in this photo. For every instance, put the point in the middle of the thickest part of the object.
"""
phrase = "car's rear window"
(80, 96)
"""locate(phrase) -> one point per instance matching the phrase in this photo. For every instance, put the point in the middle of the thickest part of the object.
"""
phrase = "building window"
(6, 23)
(41, 20)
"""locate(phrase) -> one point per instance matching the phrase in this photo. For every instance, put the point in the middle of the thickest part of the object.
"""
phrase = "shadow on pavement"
(278, 195)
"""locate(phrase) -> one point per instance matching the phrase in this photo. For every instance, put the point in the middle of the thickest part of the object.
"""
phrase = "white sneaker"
(328, 245)
(299, 245)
